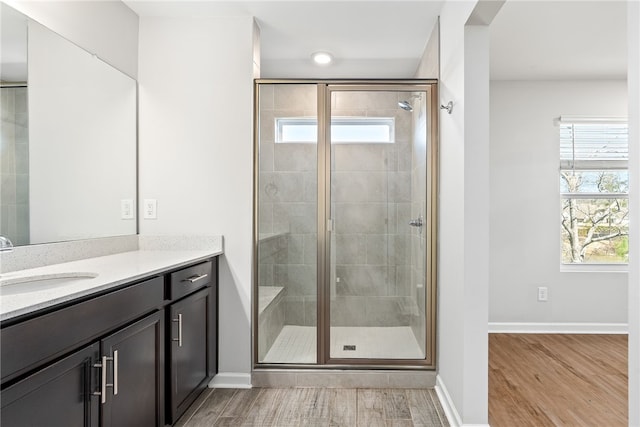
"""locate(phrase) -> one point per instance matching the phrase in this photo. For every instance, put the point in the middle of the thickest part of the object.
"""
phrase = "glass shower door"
(344, 217)
(286, 224)
(378, 208)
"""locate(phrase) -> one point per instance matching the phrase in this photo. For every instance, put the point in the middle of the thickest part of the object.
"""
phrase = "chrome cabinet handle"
(416, 222)
(115, 372)
(195, 278)
(103, 380)
(179, 339)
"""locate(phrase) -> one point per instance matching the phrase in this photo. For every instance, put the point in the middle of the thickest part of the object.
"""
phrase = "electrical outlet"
(150, 209)
(543, 293)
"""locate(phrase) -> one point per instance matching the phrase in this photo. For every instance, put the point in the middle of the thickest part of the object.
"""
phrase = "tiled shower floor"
(297, 344)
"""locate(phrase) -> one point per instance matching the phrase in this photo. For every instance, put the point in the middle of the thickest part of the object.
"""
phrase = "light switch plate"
(150, 209)
(543, 293)
(126, 209)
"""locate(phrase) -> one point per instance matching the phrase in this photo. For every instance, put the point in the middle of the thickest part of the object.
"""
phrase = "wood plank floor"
(557, 380)
(284, 407)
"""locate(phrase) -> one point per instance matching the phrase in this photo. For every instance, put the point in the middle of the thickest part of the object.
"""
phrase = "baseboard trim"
(343, 378)
(448, 406)
(231, 380)
(558, 328)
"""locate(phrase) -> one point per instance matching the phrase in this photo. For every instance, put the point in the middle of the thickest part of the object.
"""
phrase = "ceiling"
(559, 40)
(13, 45)
(530, 39)
(368, 38)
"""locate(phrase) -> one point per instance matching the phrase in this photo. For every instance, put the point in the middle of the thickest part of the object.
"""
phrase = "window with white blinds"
(594, 191)
(594, 145)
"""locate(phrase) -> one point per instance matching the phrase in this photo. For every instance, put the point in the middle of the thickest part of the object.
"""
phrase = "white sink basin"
(41, 282)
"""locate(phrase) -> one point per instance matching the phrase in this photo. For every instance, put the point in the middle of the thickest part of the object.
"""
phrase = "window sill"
(594, 268)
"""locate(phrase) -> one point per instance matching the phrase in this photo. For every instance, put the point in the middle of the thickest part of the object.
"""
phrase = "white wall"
(196, 106)
(525, 207)
(463, 275)
(633, 82)
(475, 408)
(108, 29)
(82, 142)
(451, 213)
(429, 65)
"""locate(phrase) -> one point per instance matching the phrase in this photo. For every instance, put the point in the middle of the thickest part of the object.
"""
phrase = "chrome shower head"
(405, 105)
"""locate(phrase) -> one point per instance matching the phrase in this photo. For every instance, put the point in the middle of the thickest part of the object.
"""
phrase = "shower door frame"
(323, 324)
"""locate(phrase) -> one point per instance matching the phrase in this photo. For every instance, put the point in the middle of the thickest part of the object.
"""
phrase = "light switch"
(150, 209)
(126, 209)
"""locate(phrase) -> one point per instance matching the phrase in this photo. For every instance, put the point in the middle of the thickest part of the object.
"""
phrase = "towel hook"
(448, 107)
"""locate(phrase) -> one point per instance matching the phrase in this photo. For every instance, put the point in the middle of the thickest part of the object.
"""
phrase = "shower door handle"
(416, 222)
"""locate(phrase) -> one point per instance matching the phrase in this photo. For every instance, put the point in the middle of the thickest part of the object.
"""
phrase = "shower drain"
(349, 347)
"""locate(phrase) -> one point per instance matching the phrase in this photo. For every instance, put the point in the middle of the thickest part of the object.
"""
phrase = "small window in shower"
(344, 130)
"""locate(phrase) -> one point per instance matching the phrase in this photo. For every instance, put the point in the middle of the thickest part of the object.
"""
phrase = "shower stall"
(345, 223)
(14, 163)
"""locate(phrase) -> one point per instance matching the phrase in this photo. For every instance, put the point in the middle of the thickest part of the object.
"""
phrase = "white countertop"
(111, 270)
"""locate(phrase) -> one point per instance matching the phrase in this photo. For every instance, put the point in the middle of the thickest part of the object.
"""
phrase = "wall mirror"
(68, 143)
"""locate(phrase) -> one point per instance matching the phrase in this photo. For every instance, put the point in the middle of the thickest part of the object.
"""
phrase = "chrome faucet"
(5, 244)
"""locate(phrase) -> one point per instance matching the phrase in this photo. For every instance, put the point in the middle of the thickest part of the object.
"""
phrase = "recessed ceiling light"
(322, 58)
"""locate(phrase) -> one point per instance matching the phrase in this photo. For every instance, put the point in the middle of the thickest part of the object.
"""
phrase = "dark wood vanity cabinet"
(57, 395)
(133, 374)
(117, 381)
(111, 360)
(191, 342)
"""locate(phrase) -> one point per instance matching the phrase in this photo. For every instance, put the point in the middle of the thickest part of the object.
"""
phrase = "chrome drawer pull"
(103, 381)
(179, 339)
(195, 278)
(115, 372)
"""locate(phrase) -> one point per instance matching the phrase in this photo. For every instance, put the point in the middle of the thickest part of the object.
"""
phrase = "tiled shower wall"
(371, 205)
(288, 204)
(373, 282)
(14, 172)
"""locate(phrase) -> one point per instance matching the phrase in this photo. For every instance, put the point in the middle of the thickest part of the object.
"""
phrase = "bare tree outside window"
(596, 229)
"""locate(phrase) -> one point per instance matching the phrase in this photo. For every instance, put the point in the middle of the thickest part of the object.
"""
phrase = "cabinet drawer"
(31, 343)
(189, 279)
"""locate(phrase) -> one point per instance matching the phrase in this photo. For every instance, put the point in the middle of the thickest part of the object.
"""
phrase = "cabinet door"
(213, 321)
(57, 395)
(189, 350)
(135, 382)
